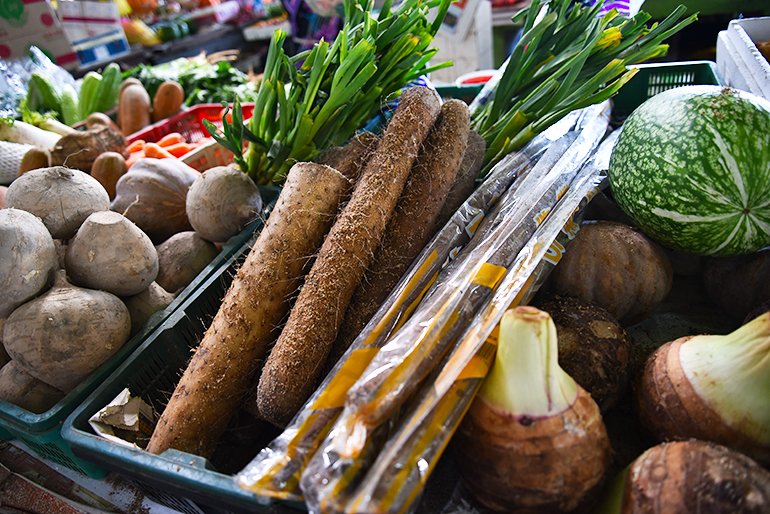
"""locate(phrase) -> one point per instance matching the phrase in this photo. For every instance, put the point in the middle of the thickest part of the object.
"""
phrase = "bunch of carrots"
(172, 145)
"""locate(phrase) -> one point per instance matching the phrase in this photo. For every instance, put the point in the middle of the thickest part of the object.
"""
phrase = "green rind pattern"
(692, 168)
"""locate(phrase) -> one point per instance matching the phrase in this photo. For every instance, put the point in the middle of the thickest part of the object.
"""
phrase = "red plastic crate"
(189, 123)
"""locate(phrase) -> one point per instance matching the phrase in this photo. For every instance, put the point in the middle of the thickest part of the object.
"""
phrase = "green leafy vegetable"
(318, 98)
(568, 58)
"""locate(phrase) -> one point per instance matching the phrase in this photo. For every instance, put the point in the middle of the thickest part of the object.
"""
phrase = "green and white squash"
(692, 168)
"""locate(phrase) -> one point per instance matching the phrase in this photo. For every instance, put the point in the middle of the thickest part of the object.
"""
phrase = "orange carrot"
(156, 151)
(136, 146)
(180, 149)
(172, 138)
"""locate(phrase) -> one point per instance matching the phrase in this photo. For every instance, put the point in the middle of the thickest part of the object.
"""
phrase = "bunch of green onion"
(318, 98)
(568, 58)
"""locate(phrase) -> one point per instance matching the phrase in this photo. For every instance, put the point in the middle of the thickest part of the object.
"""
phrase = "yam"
(134, 106)
(180, 258)
(61, 197)
(221, 202)
(296, 361)
(168, 100)
(111, 254)
(99, 119)
(465, 181)
(23, 390)
(222, 368)
(142, 306)
(27, 258)
(66, 333)
(351, 158)
(414, 220)
(34, 159)
(107, 169)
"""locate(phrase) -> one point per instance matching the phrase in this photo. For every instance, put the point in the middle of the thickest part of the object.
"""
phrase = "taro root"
(533, 439)
(738, 284)
(142, 306)
(65, 334)
(593, 348)
(111, 254)
(691, 477)
(221, 202)
(27, 258)
(615, 267)
(712, 387)
(62, 197)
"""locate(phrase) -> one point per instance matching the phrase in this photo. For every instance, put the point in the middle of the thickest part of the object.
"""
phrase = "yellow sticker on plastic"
(489, 275)
(333, 395)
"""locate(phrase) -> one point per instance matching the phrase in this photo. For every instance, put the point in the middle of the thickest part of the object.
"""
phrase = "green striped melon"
(692, 168)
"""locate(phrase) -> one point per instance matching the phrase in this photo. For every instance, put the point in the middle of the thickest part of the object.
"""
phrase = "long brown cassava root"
(351, 158)
(413, 221)
(296, 361)
(220, 372)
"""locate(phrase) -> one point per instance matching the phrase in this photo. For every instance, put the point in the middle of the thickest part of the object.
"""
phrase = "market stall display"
(507, 315)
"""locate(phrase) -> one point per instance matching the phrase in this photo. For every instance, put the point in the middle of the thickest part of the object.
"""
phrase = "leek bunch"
(318, 98)
(568, 58)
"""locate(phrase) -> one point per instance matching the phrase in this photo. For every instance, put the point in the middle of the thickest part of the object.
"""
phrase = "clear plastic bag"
(399, 368)
(276, 470)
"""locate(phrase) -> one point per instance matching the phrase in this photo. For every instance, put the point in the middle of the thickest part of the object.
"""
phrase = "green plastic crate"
(652, 79)
(42, 432)
(152, 372)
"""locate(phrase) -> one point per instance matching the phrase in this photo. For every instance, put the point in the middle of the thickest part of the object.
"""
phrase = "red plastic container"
(189, 123)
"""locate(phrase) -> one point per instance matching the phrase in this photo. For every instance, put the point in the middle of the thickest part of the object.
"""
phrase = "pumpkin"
(616, 267)
(153, 194)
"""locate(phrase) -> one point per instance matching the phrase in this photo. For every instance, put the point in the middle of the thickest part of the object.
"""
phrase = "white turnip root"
(62, 197)
(23, 390)
(221, 370)
(142, 306)
(27, 258)
(180, 258)
(221, 202)
(66, 333)
(110, 253)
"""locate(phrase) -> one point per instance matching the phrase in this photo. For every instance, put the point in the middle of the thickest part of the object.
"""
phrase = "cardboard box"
(34, 22)
(94, 29)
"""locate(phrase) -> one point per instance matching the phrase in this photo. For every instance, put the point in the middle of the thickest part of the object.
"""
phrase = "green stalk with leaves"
(320, 97)
(568, 58)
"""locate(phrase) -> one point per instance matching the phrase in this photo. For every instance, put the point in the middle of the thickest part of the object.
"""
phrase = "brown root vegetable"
(465, 181)
(221, 202)
(34, 159)
(134, 107)
(533, 440)
(153, 196)
(142, 306)
(737, 284)
(168, 100)
(62, 197)
(111, 254)
(296, 361)
(99, 119)
(61, 250)
(22, 389)
(180, 258)
(694, 476)
(413, 221)
(3, 190)
(593, 348)
(4, 357)
(615, 267)
(65, 334)
(221, 370)
(107, 169)
(711, 387)
(81, 149)
(27, 258)
(351, 158)
(127, 82)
